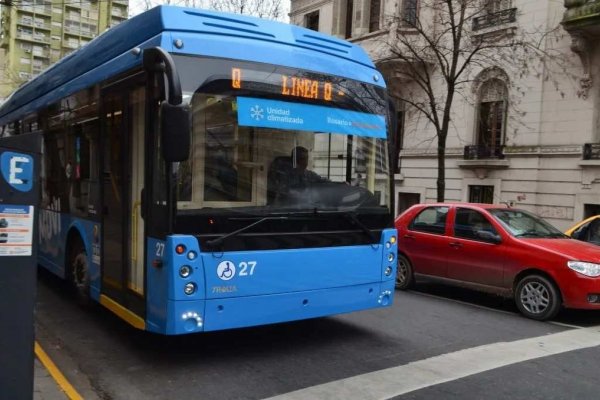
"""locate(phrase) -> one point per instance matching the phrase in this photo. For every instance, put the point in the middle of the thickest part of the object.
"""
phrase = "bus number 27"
(247, 268)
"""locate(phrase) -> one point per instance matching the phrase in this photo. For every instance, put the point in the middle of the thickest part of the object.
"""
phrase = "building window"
(311, 20)
(481, 194)
(374, 13)
(406, 200)
(349, 16)
(494, 6)
(492, 106)
(410, 12)
(495, 12)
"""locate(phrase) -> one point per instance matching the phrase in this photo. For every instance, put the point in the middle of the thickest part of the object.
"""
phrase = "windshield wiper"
(352, 217)
(559, 235)
(531, 233)
(221, 239)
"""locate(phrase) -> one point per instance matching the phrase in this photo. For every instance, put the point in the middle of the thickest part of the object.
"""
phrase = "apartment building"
(37, 33)
(536, 149)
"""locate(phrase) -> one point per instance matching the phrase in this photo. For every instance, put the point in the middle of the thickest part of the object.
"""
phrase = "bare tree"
(442, 47)
(268, 9)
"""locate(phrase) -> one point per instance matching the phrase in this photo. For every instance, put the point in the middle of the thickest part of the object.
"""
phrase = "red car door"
(425, 240)
(476, 254)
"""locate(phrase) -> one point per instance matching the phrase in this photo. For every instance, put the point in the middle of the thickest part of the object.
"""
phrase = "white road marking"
(466, 303)
(391, 382)
(565, 325)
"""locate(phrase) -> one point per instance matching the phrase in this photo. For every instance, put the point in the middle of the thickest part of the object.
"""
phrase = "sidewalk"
(44, 385)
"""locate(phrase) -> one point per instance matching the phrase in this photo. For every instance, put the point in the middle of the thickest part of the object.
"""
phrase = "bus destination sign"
(294, 86)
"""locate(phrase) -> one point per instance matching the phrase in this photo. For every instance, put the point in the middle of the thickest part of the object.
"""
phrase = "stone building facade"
(540, 154)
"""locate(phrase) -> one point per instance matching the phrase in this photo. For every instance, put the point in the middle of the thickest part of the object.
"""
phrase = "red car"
(501, 250)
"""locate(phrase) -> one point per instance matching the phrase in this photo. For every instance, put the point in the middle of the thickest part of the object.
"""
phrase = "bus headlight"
(185, 271)
(189, 288)
(388, 271)
(391, 257)
(191, 255)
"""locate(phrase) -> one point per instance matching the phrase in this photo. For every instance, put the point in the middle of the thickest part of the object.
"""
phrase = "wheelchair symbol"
(226, 270)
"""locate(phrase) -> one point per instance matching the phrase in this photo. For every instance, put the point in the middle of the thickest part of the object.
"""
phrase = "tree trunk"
(441, 156)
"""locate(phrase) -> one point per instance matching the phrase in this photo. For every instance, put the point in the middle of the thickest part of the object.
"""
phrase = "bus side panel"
(89, 232)
(51, 250)
(169, 309)
(157, 286)
(54, 228)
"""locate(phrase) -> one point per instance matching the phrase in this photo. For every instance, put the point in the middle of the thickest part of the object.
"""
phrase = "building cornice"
(458, 152)
(310, 7)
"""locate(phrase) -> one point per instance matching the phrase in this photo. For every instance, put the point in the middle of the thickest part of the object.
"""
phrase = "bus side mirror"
(175, 128)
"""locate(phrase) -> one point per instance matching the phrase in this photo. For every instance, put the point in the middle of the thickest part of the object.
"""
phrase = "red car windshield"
(521, 223)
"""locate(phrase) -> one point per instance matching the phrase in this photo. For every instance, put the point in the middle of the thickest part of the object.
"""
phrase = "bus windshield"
(258, 163)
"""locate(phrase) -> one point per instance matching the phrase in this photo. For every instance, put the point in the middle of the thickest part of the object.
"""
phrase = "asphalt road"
(432, 328)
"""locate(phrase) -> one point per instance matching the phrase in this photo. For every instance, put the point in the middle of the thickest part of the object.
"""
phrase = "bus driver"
(300, 177)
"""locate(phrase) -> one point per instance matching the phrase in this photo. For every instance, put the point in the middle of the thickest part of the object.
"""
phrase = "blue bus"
(205, 171)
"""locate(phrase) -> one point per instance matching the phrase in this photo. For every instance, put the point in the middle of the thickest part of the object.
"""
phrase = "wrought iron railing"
(591, 151)
(483, 152)
(493, 19)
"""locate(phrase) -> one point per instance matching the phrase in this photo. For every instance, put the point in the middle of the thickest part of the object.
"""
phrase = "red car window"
(470, 223)
(430, 220)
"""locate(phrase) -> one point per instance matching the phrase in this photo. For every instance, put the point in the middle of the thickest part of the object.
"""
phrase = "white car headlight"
(585, 268)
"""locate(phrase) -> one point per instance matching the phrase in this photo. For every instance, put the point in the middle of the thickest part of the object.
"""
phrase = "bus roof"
(202, 32)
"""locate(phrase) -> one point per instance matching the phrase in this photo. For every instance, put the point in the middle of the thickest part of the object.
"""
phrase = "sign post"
(19, 198)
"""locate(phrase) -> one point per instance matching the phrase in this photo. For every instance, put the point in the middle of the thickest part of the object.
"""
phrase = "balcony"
(72, 30)
(483, 152)
(25, 22)
(42, 10)
(41, 25)
(591, 151)
(495, 19)
(582, 21)
(482, 158)
(582, 16)
(41, 54)
(70, 45)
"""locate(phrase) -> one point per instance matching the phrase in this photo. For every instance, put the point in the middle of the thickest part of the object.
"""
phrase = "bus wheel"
(404, 273)
(79, 272)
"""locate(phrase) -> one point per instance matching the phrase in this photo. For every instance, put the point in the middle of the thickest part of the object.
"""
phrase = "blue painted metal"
(237, 312)
(157, 286)
(169, 309)
(54, 230)
(204, 33)
(238, 289)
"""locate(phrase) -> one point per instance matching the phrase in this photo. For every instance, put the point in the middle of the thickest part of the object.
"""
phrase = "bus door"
(123, 231)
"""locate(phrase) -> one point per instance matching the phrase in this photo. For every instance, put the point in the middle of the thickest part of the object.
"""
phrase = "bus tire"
(78, 271)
